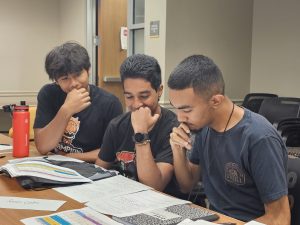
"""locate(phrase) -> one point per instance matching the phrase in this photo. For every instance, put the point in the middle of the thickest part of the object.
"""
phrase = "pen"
(5, 144)
(2, 156)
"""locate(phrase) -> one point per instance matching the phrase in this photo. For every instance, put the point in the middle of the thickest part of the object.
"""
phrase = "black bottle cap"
(22, 102)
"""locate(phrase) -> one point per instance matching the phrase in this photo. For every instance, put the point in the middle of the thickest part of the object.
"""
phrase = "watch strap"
(142, 143)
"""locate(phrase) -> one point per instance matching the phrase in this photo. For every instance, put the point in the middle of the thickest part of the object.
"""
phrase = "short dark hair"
(200, 73)
(142, 66)
(65, 59)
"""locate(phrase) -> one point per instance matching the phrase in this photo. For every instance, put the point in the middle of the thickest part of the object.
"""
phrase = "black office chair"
(291, 135)
(252, 101)
(294, 187)
(277, 109)
(286, 122)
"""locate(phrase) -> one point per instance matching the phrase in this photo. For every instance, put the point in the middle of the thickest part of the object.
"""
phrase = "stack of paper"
(132, 204)
(109, 187)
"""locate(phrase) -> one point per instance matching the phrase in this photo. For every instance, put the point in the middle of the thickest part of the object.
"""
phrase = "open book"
(44, 172)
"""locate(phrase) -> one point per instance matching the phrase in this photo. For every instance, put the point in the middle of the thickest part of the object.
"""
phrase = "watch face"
(139, 137)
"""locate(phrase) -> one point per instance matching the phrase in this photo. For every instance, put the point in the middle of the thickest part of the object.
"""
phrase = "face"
(69, 82)
(191, 109)
(139, 92)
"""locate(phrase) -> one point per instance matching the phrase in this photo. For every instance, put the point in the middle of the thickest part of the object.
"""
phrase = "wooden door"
(112, 15)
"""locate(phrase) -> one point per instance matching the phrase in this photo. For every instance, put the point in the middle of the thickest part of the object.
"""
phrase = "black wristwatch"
(141, 138)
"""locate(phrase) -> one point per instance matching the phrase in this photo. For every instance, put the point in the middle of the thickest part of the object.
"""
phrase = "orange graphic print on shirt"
(71, 130)
(69, 135)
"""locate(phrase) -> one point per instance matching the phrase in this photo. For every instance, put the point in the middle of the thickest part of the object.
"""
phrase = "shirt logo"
(66, 144)
(126, 164)
(234, 174)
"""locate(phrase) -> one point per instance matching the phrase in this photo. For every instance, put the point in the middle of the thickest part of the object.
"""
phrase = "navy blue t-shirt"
(242, 168)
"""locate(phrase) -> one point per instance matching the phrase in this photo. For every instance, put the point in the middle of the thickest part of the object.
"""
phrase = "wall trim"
(17, 93)
(14, 97)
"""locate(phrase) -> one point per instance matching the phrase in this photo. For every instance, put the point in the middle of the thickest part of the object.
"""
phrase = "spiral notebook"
(168, 216)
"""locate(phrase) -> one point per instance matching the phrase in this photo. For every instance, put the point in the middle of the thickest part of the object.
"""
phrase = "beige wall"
(29, 30)
(218, 29)
(276, 47)
(155, 10)
(73, 21)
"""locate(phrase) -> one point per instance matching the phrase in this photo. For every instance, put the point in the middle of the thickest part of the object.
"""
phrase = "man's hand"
(180, 137)
(77, 100)
(142, 120)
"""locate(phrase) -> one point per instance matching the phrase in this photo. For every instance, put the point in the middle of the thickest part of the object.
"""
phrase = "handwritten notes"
(30, 203)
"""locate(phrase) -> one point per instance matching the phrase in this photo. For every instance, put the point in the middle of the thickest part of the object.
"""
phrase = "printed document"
(45, 159)
(74, 217)
(197, 222)
(108, 187)
(30, 203)
(5, 148)
(43, 170)
(254, 223)
(132, 204)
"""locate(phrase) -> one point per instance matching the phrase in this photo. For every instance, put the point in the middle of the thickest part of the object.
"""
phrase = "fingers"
(184, 127)
(78, 99)
(181, 136)
(142, 120)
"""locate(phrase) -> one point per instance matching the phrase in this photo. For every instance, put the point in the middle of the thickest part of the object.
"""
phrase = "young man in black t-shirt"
(72, 115)
(137, 143)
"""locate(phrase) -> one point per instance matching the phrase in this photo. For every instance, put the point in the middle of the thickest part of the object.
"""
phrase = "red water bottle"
(21, 130)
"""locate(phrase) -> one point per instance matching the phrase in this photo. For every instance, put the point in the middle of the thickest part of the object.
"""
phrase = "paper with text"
(254, 223)
(30, 203)
(44, 170)
(132, 204)
(109, 187)
(5, 148)
(45, 159)
(197, 222)
(83, 216)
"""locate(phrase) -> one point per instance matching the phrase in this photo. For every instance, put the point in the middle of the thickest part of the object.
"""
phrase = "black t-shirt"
(85, 129)
(119, 148)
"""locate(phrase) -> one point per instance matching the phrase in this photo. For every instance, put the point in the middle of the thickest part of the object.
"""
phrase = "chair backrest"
(294, 187)
(276, 109)
(252, 101)
(291, 135)
(288, 121)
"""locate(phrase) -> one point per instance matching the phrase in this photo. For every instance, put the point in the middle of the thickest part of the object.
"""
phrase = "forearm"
(277, 220)
(103, 164)
(148, 171)
(276, 213)
(90, 156)
(183, 172)
(48, 137)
